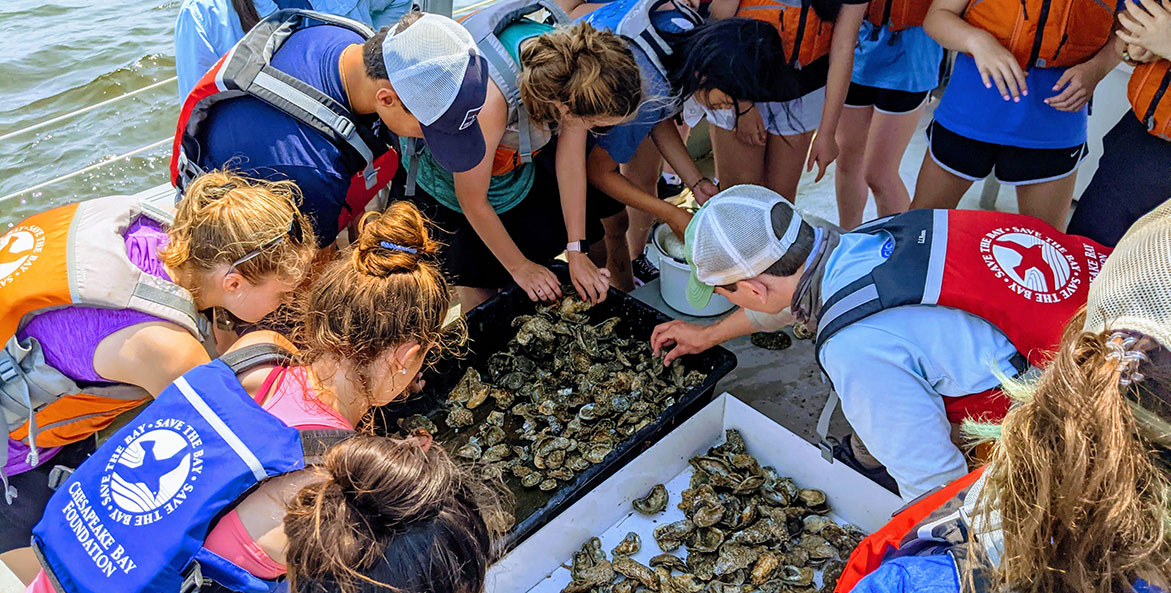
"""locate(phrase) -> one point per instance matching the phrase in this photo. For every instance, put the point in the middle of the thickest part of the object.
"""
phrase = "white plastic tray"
(536, 565)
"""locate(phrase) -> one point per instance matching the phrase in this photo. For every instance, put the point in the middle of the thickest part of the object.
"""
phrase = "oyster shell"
(654, 501)
(629, 546)
(632, 569)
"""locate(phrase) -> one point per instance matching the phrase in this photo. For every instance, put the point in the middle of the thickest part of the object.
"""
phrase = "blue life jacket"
(640, 22)
(134, 516)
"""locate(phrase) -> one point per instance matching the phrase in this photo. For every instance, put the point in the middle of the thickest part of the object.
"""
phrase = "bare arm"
(150, 355)
(690, 338)
(471, 190)
(591, 283)
(604, 174)
(997, 66)
(722, 9)
(674, 150)
(841, 68)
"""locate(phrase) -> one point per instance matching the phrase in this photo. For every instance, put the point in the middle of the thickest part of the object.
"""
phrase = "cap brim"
(457, 152)
(698, 293)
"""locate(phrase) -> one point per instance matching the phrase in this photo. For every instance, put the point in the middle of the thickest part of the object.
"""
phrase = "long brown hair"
(384, 292)
(1083, 503)
(246, 10)
(591, 72)
(388, 515)
(225, 216)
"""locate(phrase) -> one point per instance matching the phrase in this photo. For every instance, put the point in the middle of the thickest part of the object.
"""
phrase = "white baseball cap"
(731, 238)
(438, 73)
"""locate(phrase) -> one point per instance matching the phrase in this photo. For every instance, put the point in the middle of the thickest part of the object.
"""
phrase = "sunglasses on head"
(295, 234)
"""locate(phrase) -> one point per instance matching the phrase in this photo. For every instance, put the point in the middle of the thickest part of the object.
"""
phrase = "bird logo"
(18, 247)
(150, 470)
(1032, 262)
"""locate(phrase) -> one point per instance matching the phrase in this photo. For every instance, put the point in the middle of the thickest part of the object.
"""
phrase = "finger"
(1128, 38)
(532, 292)
(1139, 11)
(821, 167)
(1064, 80)
(585, 290)
(1128, 23)
(998, 79)
(1015, 84)
(553, 285)
(1068, 101)
(674, 353)
(985, 76)
(812, 159)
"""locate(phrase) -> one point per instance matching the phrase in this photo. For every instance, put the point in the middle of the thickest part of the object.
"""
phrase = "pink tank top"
(287, 395)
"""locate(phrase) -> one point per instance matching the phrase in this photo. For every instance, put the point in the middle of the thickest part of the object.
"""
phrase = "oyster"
(733, 557)
(654, 501)
(708, 514)
(468, 384)
(830, 575)
(708, 539)
(547, 484)
(470, 451)
(671, 535)
(629, 546)
(460, 417)
(632, 569)
(814, 500)
(670, 562)
(416, 421)
(766, 564)
(495, 453)
(796, 576)
(778, 340)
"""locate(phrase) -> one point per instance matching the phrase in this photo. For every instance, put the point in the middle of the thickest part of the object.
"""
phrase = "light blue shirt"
(905, 61)
(206, 29)
(892, 368)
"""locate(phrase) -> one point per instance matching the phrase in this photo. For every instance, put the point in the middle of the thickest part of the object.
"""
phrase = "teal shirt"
(504, 191)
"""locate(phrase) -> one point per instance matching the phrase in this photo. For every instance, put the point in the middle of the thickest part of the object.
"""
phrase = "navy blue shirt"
(261, 141)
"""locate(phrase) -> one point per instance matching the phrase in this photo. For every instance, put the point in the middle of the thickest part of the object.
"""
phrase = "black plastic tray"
(490, 329)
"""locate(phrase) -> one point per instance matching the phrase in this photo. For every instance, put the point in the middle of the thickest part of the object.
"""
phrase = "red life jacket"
(927, 526)
(1014, 271)
(247, 70)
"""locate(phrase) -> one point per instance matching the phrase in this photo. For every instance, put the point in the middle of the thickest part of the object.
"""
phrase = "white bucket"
(673, 275)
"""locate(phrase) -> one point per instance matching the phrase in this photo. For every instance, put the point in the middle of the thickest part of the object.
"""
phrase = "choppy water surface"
(60, 56)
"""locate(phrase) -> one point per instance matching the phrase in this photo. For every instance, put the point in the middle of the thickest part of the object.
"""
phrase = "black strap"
(256, 355)
(316, 442)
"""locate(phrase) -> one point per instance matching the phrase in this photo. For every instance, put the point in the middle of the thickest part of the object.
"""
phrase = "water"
(63, 55)
(60, 56)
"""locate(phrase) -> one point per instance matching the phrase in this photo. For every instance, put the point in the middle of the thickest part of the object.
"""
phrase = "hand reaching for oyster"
(747, 528)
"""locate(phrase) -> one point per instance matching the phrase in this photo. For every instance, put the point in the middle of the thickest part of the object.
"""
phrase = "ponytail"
(589, 71)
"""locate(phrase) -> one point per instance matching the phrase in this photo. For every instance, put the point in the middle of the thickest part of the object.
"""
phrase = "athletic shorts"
(33, 492)
(781, 118)
(884, 100)
(974, 160)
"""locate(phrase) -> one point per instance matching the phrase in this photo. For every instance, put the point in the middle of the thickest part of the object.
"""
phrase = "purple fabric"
(69, 336)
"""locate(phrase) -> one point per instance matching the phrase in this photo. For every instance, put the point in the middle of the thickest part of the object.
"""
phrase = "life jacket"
(1014, 271)
(133, 518)
(804, 35)
(642, 23)
(247, 70)
(1045, 33)
(521, 139)
(1147, 86)
(897, 15)
(74, 255)
(938, 522)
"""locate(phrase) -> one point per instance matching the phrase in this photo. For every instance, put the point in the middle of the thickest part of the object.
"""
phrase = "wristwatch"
(578, 246)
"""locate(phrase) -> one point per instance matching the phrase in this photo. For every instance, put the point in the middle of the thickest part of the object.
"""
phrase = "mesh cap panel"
(426, 63)
(734, 238)
(1133, 290)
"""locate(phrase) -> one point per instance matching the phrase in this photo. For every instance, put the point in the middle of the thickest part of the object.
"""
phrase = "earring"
(404, 371)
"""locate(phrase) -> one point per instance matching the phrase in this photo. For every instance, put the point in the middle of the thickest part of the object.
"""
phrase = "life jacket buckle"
(193, 581)
(58, 475)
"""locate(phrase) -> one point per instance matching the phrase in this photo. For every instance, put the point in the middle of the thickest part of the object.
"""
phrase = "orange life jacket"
(74, 255)
(897, 15)
(1146, 91)
(931, 510)
(805, 37)
(1045, 33)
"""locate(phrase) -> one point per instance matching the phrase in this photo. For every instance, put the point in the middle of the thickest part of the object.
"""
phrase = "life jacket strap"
(315, 443)
(256, 355)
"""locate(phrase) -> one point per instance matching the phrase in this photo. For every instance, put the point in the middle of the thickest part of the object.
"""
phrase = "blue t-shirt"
(904, 61)
(913, 574)
(206, 29)
(658, 103)
(261, 141)
(973, 111)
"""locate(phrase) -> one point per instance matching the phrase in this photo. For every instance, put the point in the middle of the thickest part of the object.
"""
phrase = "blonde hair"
(384, 292)
(225, 216)
(1082, 502)
(591, 72)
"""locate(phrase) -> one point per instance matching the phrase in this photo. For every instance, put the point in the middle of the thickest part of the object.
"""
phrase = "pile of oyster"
(562, 395)
(747, 529)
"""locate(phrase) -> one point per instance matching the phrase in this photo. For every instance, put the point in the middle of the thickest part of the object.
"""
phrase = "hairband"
(1121, 348)
(397, 247)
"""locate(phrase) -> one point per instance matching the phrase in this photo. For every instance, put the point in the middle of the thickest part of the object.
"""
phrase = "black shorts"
(884, 100)
(32, 494)
(974, 160)
(536, 224)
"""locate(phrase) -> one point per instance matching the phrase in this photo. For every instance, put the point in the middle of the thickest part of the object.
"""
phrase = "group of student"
(313, 153)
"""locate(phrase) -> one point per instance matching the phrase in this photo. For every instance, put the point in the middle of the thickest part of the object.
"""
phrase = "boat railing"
(434, 6)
